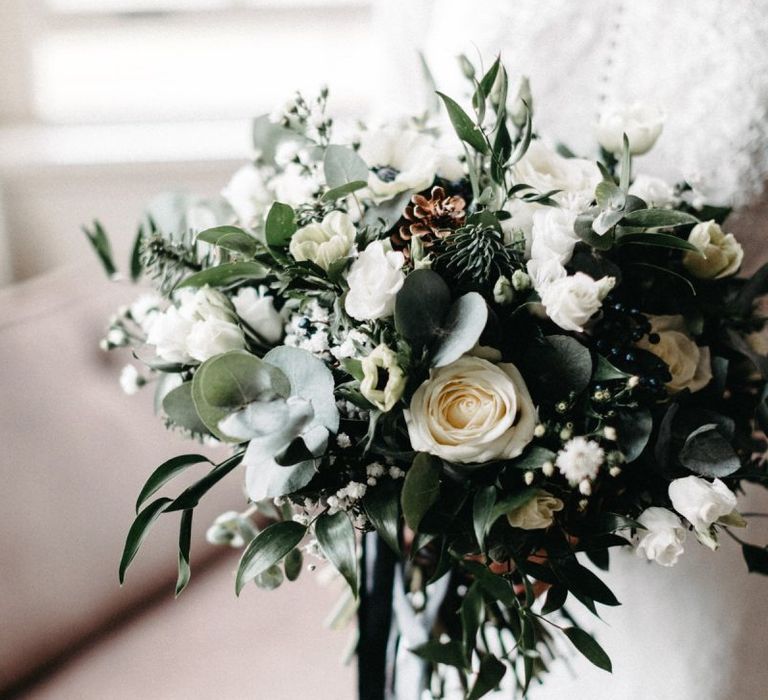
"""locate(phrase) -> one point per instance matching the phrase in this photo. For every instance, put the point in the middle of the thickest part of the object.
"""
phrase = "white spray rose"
(383, 380)
(374, 280)
(720, 253)
(203, 304)
(472, 411)
(404, 159)
(537, 514)
(257, 309)
(325, 242)
(688, 363)
(641, 122)
(663, 537)
(247, 193)
(654, 191)
(169, 333)
(213, 337)
(571, 301)
(544, 272)
(700, 502)
(553, 234)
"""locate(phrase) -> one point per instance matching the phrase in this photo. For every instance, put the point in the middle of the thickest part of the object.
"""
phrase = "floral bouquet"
(473, 360)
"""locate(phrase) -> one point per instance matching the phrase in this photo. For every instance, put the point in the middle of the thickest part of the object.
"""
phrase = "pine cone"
(429, 218)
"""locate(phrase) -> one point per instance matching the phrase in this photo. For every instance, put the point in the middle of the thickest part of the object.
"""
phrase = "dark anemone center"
(385, 173)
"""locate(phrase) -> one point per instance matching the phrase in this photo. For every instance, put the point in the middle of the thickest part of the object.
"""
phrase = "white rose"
(203, 304)
(257, 309)
(247, 193)
(688, 363)
(654, 191)
(545, 170)
(472, 411)
(213, 337)
(383, 380)
(721, 254)
(537, 514)
(374, 280)
(544, 272)
(571, 301)
(169, 333)
(404, 159)
(700, 502)
(325, 242)
(553, 235)
(663, 537)
(642, 123)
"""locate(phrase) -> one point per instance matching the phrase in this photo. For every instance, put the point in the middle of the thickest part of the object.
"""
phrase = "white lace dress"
(698, 631)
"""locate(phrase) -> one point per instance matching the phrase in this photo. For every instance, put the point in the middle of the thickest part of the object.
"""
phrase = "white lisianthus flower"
(654, 191)
(663, 537)
(383, 380)
(571, 301)
(545, 170)
(545, 272)
(641, 122)
(130, 380)
(537, 514)
(169, 333)
(700, 502)
(258, 310)
(325, 242)
(404, 159)
(553, 235)
(374, 280)
(472, 411)
(720, 253)
(688, 363)
(248, 194)
(213, 337)
(580, 459)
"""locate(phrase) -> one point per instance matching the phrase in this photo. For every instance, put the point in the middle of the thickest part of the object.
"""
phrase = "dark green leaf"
(267, 549)
(230, 238)
(191, 496)
(482, 509)
(223, 275)
(421, 489)
(659, 218)
(488, 677)
(471, 612)
(135, 262)
(382, 506)
(138, 532)
(353, 367)
(164, 473)
(660, 240)
(280, 225)
(605, 371)
(633, 429)
(293, 562)
(555, 599)
(101, 245)
(185, 538)
(521, 148)
(512, 502)
(465, 128)
(581, 580)
(756, 558)
(625, 167)
(448, 653)
(496, 586)
(422, 305)
(343, 166)
(566, 365)
(336, 536)
(589, 648)
(533, 458)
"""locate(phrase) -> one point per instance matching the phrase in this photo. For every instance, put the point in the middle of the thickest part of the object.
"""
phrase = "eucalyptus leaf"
(336, 537)
(230, 238)
(633, 429)
(556, 597)
(344, 190)
(421, 489)
(421, 306)
(707, 452)
(471, 613)
(179, 407)
(270, 480)
(463, 328)
(136, 266)
(267, 549)
(343, 166)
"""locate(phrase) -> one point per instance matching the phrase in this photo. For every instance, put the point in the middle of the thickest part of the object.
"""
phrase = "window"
(129, 61)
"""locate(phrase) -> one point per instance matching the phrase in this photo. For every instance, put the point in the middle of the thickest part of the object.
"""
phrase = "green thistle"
(475, 254)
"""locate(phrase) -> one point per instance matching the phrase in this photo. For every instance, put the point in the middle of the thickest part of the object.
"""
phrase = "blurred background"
(103, 104)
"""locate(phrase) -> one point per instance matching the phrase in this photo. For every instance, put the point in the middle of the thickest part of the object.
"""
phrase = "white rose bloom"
(213, 337)
(404, 159)
(374, 280)
(545, 169)
(688, 363)
(654, 191)
(544, 272)
(721, 254)
(257, 309)
(537, 514)
(472, 411)
(642, 123)
(553, 235)
(247, 193)
(169, 333)
(663, 537)
(580, 459)
(571, 301)
(203, 304)
(325, 242)
(700, 502)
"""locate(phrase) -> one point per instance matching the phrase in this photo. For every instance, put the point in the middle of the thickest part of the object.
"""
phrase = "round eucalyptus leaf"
(465, 324)
(707, 452)
(422, 305)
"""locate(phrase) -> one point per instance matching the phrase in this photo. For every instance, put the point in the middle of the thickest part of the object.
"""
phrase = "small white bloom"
(580, 459)
(374, 281)
(641, 122)
(548, 469)
(553, 234)
(614, 471)
(145, 309)
(248, 194)
(294, 185)
(375, 470)
(354, 345)
(720, 254)
(343, 441)
(663, 537)
(169, 333)
(396, 473)
(130, 380)
(571, 301)
(257, 309)
(213, 337)
(609, 432)
(520, 281)
(700, 502)
(116, 337)
(325, 242)
(317, 343)
(503, 292)
(226, 529)
(528, 477)
(654, 191)
(585, 487)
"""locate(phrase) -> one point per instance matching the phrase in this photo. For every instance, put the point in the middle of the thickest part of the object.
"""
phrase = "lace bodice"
(704, 63)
